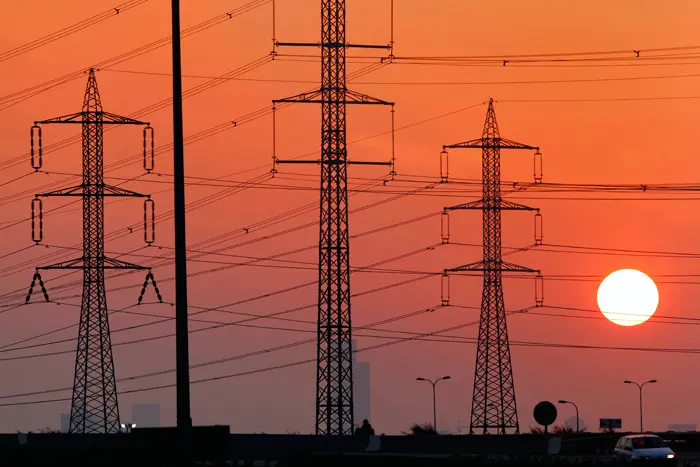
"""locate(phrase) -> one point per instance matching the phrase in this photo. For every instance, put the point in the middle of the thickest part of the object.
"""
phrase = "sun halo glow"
(628, 297)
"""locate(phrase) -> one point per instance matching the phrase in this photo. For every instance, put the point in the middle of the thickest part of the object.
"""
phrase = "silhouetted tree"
(424, 429)
(562, 430)
(555, 430)
(48, 430)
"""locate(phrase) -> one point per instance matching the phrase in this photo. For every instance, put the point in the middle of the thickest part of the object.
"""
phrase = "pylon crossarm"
(479, 204)
(506, 205)
(350, 97)
(92, 116)
(113, 263)
(330, 162)
(76, 117)
(304, 97)
(318, 45)
(369, 46)
(491, 143)
(501, 205)
(70, 191)
(76, 263)
(102, 190)
(293, 161)
(110, 190)
(512, 267)
(109, 118)
(354, 97)
(80, 263)
(388, 163)
(299, 44)
(502, 266)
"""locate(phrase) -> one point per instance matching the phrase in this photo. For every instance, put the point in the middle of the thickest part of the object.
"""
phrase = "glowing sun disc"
(628, 297)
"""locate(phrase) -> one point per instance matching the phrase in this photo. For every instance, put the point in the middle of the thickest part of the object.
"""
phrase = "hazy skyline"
(637, 141)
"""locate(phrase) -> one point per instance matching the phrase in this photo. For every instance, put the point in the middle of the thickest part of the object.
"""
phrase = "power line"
(69, 30)
(25, 94)
(431, 83)
(393, 341)
(267, 295)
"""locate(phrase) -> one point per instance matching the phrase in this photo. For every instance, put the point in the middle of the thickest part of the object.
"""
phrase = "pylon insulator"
(393, 143)
(538, 229)
(539, 290)
(149, 151)
(37, 157)
(149, 221)
(445, 226)
(445, 289)
(37, 221)
(444, 166)
(537, 162)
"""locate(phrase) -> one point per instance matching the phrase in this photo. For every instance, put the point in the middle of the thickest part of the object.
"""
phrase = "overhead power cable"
(224, 308)
(15, 98)
(430, 83)
(69, 30)
(392, 341)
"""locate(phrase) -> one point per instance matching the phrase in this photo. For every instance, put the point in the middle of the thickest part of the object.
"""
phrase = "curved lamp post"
(640, 386)
(576, 407)
(434, 404)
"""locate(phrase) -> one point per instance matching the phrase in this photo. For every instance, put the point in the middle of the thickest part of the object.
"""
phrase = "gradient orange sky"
(636, 141)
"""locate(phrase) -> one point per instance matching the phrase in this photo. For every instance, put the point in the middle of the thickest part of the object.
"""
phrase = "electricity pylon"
(94, 407)
(493, 402)
(334, 401)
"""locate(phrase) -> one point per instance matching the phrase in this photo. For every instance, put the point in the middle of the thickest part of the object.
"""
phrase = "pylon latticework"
(334, 395)
(334, 399)
(94, 406)
(493, 402)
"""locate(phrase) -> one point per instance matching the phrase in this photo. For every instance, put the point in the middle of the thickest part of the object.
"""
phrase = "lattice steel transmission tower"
(94, 406)
(493, 403)
(334, 400)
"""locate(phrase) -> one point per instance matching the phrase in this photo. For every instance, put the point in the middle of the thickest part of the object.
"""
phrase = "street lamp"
(576, 407)
(434, 404)
(128, 426)
(640, 386)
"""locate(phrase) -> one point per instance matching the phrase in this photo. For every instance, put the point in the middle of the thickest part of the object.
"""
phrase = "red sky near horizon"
(566, 109)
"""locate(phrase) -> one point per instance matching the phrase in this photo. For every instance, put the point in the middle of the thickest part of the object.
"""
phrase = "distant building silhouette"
(65, 422)
(145, 415)
(362, 389)
(571, 423)
(361, 385)
(682, 427)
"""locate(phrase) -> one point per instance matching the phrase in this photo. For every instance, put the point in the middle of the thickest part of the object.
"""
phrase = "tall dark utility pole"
(94, 404)
(493, 403)
(334, 401)
(182, 346)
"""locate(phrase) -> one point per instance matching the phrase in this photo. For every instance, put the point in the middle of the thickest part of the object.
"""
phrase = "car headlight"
(670, 456)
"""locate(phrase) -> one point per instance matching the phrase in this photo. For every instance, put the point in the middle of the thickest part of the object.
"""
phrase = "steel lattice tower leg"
(94, 406)
(334, 404)
(334, 398)
(493, 401)
(493, 375)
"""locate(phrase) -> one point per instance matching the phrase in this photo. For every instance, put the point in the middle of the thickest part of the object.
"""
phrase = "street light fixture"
(127, 427)
(640, 386)
(576, 407)
(434, 403)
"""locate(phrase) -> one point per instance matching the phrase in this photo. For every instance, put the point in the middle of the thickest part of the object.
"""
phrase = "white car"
(640, 447)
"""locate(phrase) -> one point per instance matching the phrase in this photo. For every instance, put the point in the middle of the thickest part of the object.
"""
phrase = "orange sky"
(649, 141)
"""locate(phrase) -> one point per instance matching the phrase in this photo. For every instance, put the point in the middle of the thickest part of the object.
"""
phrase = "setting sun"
(628, 297)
